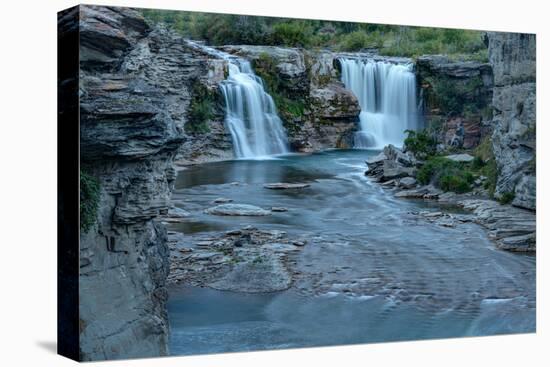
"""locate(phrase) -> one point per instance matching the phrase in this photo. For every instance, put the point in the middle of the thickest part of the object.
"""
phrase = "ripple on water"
(371, 272)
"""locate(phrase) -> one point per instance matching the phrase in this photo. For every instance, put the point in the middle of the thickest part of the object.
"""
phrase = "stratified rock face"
(513, 57)
(135, 89)
(457, 98)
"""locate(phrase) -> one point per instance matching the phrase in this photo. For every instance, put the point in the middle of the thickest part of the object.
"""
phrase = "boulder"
(392, 170)
(407, 183)
(462, 158)
(334, 101)
(395, 154)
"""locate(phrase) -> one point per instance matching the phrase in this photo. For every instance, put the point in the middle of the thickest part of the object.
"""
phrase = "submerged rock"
(407, 183)
(262, 274)
(237, 210)
(279, 209)
(285, 186)
(222, 201)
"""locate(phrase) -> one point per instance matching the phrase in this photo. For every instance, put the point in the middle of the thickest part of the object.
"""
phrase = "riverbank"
(510, 227)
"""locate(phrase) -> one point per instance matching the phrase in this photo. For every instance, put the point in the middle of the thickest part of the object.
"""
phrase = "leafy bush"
(265, 68)
(446, 174)
(293, 34)
(200, 109)
(89, 200)
(421, 143)
(354, 41)
(507, 198)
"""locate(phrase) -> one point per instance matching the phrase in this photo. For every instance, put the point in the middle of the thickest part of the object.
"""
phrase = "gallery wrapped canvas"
(241, 183)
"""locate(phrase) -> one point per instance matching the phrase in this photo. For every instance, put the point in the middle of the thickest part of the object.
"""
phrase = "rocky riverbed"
(512, 228)
(335, 247)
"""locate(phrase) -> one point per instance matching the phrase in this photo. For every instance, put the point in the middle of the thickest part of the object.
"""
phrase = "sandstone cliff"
(513, 57)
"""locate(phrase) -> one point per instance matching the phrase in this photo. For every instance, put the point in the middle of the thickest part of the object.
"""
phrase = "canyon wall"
(456, 98)
(513, 58)
(136, 87)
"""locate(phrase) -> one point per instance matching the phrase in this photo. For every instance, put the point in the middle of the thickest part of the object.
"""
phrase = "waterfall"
(251, 115)
(387, 96)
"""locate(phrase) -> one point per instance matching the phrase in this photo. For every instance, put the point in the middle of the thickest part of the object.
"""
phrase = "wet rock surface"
(511, 228)
(285, 186)
(237, 210)
(247, 260)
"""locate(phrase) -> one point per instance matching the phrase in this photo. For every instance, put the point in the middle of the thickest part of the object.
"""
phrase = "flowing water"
(372, 270)
(387, 96)
(250, 113)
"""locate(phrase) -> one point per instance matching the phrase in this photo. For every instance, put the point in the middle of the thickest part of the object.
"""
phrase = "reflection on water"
(381, 274)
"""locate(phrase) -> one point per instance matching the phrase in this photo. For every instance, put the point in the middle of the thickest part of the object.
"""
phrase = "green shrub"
(200, 109)
(392, 40)
(354, 41)
(446, 174)
(421, 143)
(507, 198)
(89, 200)
(293, 34)
(265, 68)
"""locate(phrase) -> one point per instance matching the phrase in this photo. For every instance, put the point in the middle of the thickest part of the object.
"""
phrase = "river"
(372, 270)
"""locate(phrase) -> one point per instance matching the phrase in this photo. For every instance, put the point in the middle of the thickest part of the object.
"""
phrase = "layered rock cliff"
(457, 99)
(136, 87)
(513, 58)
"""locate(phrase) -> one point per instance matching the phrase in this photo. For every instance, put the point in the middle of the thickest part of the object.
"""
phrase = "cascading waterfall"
(387, 96)
(251, 116)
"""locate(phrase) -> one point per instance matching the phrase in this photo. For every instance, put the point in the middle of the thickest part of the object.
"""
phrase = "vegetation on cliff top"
(391, 40)
(89, 200)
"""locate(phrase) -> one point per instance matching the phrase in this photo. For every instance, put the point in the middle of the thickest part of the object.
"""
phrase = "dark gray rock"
(513, 229)
(334, 102)
(513, 58)
(407, 183)
(285, 186)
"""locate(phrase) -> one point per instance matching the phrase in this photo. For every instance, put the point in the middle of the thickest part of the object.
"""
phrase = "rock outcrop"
(457, 97)
(513, 57)
(137, 84)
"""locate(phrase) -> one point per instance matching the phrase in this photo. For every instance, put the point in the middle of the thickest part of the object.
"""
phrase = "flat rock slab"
(263, 274)
(285, 186)
(466, 158)
(237, 210)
